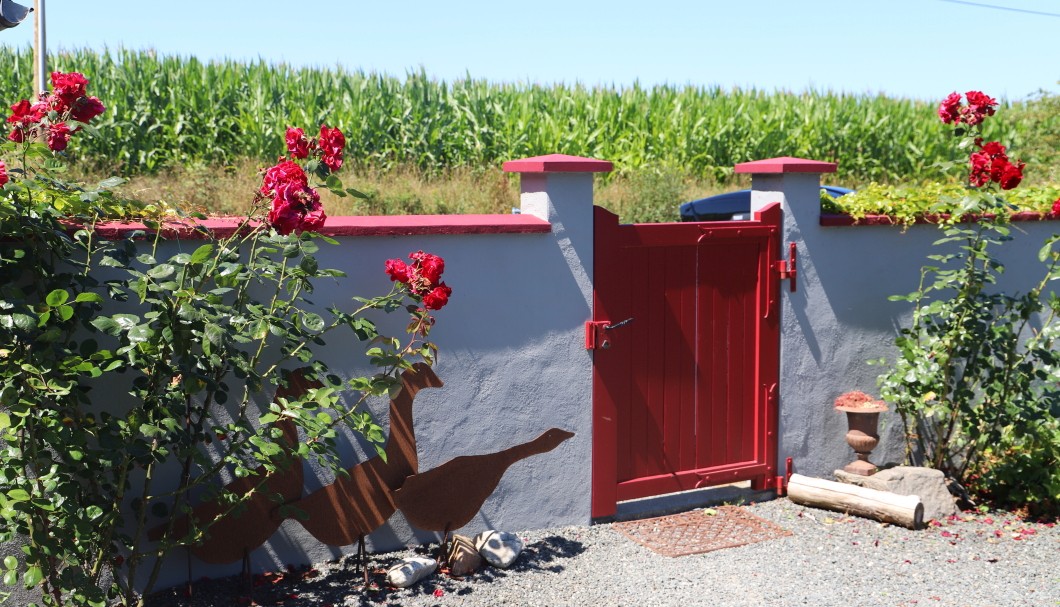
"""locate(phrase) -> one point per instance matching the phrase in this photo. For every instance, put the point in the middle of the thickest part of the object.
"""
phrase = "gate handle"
(618, 324)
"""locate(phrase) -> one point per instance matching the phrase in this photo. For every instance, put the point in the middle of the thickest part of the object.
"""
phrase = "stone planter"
(862, 422)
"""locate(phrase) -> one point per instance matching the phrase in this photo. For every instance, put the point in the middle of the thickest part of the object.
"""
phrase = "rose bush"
(121, 359)
(977, 379)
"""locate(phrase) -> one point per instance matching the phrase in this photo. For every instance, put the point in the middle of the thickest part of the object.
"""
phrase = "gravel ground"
(975, 560)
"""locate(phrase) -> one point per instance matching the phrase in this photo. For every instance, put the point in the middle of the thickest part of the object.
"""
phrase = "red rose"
(950, 109)
(20, 112)
(3, 173)
(68, 88)
(58, 136)
(980, 173)
(437, 298)
(979, 106)
(16, 135)
(284, 173)
(430, 266)
(981, 103)
(87, 108)
(284, 215)
(314, 217)
(997, 167)
(296, 207)
(397, 270)
(331, 143)
(993, 148)
(1011, 175)
(1056, 208)
(297, 144)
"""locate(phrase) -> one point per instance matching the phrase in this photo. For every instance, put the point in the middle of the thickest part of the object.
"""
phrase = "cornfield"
(167, 111)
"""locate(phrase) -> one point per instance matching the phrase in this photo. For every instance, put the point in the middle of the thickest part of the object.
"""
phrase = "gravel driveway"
(979, 560)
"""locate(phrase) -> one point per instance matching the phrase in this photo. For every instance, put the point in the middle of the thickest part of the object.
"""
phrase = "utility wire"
(1003, 8)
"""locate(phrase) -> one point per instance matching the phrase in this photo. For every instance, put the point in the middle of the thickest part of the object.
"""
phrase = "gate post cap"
(786, 164)
(558, 163)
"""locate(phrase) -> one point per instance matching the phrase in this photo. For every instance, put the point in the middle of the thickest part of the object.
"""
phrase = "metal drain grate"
(699, 531)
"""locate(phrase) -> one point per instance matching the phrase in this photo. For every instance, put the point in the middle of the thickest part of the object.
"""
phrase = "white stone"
(926, 483)
(499, 548)
(410, 571)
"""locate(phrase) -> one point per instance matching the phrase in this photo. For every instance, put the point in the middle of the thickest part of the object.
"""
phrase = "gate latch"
(595, 336)
(787, 268)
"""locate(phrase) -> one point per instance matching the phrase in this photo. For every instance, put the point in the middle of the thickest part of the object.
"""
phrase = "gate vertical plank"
(721, 358)
(705, 362)
(650, 438)
(636, 404)
(604, 496)
(688, 321)
(741, 400)
(678, 357)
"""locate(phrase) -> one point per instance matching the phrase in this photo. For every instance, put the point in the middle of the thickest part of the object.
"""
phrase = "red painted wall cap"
(360, 225)
(558, 163)
(786, 164)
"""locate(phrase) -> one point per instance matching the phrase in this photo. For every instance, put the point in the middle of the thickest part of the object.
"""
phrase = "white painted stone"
(410, 571)
(499, 548)
(927, 483)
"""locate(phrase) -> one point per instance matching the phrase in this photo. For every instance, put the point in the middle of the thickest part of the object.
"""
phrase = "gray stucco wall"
(840, 316)
(512, 358)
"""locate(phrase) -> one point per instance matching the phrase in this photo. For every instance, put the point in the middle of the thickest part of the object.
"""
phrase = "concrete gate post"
(804, 404)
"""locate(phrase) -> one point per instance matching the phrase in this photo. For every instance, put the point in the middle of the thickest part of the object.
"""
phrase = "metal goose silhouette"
(231, 536)
(448, 497)
(360, 502)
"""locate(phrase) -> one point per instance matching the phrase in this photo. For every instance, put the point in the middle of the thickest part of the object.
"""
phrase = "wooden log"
(904, 510)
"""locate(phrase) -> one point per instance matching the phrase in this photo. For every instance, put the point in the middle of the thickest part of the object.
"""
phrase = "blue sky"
(911, 48)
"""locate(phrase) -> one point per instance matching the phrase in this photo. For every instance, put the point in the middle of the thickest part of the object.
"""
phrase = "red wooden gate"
(685, 392)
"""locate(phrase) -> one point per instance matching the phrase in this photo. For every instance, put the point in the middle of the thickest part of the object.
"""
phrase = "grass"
(219, 190)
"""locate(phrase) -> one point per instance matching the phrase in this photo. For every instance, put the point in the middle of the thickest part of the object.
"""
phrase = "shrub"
(192, 337)
(977, 380)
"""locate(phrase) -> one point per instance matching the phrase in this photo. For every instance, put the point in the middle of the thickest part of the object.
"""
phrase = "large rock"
(926, 483)
(410, 571)
(499, 548)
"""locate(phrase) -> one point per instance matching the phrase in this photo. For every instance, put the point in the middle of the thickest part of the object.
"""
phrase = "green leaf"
(312, 322)
(106, 325)
(260, 330)
(140, 333)
(202, 253)
(32, 577)
(5, 421)
(18, 495)
(126, 321)
(10, 562)
(356, 194)
(24, 322)
(10, 576)
(1046, 251)
(110, 182)
(161, 271)
(268, 418)
(214, 334)
(88, 297)
(57, 298)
